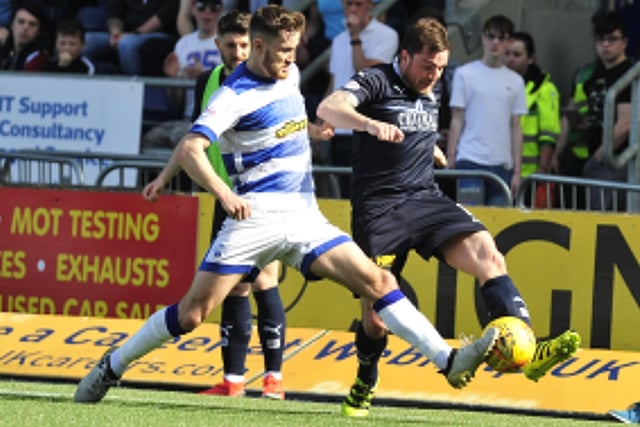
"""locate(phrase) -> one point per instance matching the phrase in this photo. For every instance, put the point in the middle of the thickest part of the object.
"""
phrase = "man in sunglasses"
(195, 52)
(486, 103)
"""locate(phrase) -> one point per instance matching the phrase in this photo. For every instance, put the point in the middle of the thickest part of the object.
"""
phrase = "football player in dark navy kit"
(397, 206)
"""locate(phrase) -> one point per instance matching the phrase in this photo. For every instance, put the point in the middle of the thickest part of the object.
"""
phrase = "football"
(514, 347)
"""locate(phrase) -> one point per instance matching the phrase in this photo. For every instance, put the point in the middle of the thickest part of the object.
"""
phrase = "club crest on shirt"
(352, 85)
(418, 119)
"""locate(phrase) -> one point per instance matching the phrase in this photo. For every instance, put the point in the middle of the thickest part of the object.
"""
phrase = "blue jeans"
(99, 49)
(491, 194)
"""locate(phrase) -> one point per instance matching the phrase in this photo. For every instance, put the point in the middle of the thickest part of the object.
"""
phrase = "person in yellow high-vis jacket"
(582, 123)
(541, 125)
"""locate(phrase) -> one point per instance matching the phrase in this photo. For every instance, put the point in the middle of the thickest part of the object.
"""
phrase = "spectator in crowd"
(325, 20)
(130, 23)
(70, 41)
(487, 101)
(24, 49)
(587, 108)
(571, 151)
(153, 51)
(184, 19)
(332, 14)
(193, 54)
(92, 14)
(364, 43)
(541, 125)
(6, 13)
(197, 51)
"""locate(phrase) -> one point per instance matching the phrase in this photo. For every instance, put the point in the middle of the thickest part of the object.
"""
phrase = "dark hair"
(71, 27)
(34, 7)
(235, 21)
(607, 23)
(269, 20)
(527, 40)
(499, 23)
(425, 32)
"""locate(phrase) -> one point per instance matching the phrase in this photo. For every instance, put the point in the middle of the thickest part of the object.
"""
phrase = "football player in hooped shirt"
(397, 206)
(259, 120)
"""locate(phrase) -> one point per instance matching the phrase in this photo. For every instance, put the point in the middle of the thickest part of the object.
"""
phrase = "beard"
(275, 68)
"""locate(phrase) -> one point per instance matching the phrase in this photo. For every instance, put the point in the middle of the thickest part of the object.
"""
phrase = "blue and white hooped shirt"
(260, 125)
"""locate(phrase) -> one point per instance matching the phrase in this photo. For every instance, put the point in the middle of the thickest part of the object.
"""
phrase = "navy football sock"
(502, 298)
(235, 333)
(369, 353)
(271, 327)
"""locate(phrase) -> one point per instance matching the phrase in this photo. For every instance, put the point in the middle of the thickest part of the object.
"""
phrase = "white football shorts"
(296, 238)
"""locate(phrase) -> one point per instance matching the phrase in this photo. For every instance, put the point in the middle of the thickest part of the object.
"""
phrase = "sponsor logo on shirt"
(291, 127)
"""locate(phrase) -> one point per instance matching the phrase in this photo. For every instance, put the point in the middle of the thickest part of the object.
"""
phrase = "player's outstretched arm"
(152, 190)
(339, 109)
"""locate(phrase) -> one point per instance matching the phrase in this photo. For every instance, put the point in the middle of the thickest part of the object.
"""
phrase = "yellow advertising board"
(577, 270)
(317, 361)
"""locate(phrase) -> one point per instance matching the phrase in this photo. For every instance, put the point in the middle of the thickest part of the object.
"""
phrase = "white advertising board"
(71, 113)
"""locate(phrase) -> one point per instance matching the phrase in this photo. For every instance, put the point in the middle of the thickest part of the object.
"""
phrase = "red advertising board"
(102, 254)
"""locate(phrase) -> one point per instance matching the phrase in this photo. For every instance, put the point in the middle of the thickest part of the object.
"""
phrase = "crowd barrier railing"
(570, 193)
(37, 167)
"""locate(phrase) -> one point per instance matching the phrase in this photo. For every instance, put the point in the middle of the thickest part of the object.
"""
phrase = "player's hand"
(438, 157)
(323, 132)
(235, 206)
(152, 190)
(384, 131)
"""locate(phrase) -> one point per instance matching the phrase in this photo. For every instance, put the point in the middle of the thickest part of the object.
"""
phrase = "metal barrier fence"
(568, 193)
(40, 168)
(538, 191)
(115, 171)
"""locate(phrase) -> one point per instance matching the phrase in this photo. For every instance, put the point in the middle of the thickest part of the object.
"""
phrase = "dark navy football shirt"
(386, 173)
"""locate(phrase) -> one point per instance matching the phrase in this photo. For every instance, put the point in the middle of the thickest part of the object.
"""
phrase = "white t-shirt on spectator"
(490, 97)
(191, 47)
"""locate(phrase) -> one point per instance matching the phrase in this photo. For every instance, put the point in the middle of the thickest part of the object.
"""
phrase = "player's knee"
(240, 290)
(264, 283)
(388, 281)
(189, 320)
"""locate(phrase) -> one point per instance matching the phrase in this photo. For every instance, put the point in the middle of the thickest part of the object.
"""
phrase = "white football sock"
(403, 319)
(152, 335)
